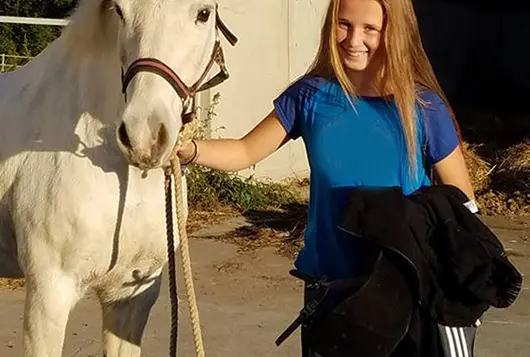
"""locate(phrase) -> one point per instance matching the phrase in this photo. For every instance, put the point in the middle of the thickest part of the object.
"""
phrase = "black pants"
(306, 351)
(457, 341)
(453, 341)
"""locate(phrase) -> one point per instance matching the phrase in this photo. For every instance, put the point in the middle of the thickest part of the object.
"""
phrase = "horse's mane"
(90, 29)
(78, 72)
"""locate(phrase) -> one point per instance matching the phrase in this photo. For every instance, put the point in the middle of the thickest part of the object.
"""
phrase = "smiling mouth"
(355, 54)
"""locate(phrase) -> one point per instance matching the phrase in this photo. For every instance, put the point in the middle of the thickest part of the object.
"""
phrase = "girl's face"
(359, 33)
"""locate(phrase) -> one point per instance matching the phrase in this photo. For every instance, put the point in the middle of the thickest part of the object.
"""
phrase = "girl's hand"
(188, 153)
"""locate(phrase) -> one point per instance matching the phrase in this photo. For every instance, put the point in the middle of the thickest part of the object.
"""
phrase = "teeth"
(357, 53)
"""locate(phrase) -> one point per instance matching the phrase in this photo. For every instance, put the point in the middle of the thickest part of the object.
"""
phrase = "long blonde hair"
(404, 68)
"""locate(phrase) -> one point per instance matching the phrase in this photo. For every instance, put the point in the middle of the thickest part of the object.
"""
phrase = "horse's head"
(168, 48)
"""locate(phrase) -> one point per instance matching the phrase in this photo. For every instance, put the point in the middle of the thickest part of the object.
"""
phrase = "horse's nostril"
(163, 136)
(123, 136)
(161, 140)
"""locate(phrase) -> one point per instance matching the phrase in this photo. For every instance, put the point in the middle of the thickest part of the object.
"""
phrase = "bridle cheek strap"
(155, 66)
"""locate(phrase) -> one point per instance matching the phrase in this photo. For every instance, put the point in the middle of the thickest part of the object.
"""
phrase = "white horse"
(81, 206)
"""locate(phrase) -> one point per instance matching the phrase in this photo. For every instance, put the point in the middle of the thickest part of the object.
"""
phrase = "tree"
(30, 40)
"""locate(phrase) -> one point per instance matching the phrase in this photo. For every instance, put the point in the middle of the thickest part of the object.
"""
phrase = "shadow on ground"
(282, 228)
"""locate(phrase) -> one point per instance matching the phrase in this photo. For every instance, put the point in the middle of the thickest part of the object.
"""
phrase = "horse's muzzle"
(144, 155)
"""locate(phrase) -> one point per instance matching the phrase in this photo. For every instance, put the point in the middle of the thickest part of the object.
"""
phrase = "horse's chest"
(96, 214)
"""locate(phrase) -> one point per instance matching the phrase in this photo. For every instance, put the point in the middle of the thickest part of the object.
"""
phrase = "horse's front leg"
(50, 296)
(125, 314)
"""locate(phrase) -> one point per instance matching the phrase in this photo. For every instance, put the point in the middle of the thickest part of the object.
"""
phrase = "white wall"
(277, 41)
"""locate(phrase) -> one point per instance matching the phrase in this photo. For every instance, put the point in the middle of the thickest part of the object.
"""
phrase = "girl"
(370, 112)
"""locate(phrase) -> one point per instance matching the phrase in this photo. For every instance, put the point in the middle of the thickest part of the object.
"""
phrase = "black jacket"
(455, 266)
(429, 261)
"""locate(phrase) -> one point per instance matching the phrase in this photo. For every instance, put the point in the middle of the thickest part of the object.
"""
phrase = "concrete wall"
(478, 59)
(278, 41)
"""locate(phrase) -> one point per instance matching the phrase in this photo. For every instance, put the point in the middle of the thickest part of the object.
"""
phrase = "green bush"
(208, 189)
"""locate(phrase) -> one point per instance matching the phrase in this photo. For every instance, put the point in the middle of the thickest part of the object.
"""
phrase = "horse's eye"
(204, 15)
(118, 10)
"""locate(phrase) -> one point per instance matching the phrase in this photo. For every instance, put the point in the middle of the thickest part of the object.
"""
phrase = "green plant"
(209, 189)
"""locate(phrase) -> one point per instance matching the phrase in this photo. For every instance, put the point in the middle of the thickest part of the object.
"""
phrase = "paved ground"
(245, 300)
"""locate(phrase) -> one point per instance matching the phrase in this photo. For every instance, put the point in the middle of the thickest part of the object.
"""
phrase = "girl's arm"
(238, 154)
(452, 170)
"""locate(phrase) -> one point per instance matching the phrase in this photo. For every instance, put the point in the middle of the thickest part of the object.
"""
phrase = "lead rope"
(174, 172)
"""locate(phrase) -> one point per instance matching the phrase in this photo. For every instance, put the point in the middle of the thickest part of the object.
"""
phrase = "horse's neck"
(65, 95)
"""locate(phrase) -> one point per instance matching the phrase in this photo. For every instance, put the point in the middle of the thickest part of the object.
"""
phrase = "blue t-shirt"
(349, 147)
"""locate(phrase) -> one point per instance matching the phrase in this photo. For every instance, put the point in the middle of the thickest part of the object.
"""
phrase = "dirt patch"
(11, 284)
(281, 229)
(515, 204)
(229, 267)
(200, 219)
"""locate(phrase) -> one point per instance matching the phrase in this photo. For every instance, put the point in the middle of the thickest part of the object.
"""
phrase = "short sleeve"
(442, 138)
(291, 108)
